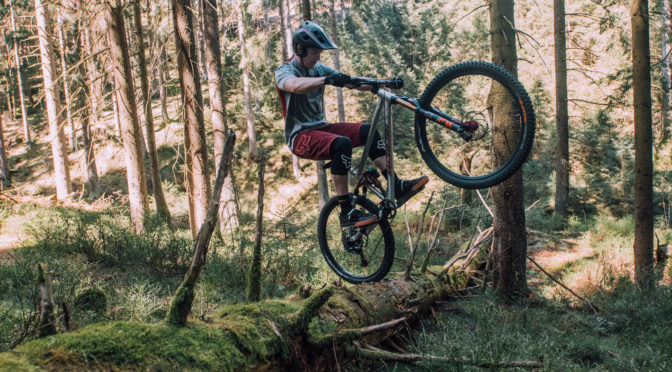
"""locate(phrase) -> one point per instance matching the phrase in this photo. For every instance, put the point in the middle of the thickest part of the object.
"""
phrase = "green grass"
(632, 333)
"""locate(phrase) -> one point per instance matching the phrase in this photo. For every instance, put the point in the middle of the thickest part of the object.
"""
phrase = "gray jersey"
(304, 111)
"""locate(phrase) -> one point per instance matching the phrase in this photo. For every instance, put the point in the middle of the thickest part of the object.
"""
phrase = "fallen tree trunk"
(308, 334)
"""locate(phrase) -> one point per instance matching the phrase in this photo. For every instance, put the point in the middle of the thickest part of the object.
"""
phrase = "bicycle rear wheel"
(501, 120)
(356, 254)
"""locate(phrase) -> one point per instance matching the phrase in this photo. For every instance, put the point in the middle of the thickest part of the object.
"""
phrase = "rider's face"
(311, 59)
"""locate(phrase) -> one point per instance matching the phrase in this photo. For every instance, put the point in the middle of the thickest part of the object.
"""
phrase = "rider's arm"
(303, 85)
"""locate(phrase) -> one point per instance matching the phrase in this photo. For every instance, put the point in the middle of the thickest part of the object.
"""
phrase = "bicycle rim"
(344, 256)
(493, 99)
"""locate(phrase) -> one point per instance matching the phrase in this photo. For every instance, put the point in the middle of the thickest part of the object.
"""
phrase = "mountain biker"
(300, 82)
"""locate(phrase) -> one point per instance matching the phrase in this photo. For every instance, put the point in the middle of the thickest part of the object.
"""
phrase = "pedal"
(411, 193)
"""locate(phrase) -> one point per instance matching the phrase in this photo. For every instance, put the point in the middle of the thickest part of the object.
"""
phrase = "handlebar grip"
(394, 83)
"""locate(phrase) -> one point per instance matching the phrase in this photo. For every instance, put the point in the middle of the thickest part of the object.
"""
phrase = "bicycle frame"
(385, 99)
(384, 104)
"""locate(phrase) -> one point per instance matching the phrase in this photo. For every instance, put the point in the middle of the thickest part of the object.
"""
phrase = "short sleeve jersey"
(304, 111)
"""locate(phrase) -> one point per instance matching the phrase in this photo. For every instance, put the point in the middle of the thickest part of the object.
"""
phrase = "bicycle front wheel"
(500, 117)
(356, 254)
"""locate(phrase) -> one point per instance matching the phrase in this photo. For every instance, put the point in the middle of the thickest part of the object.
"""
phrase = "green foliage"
(606, 177)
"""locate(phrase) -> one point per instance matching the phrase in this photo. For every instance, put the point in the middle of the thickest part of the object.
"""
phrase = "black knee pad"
(377, 147)
(341, 154)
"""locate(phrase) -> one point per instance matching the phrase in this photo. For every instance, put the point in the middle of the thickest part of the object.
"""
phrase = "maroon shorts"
(314, 144)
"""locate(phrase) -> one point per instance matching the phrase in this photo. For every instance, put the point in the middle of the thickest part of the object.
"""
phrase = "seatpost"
(389, 140)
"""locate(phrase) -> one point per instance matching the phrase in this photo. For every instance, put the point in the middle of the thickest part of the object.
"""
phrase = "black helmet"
(310, 35)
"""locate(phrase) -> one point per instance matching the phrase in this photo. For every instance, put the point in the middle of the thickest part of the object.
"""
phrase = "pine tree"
(510, 242)
(51, 97)
(641, 84)
(128, 116)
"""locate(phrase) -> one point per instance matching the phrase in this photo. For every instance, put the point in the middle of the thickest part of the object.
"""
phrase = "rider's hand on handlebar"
(338, 79)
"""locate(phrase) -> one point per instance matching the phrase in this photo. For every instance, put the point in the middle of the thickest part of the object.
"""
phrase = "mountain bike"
(474, 127)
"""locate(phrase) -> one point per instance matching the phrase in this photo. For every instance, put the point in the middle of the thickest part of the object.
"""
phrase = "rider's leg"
(341, 153)
(403, 189)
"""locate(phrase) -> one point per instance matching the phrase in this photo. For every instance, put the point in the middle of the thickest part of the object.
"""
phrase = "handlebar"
(394, 83)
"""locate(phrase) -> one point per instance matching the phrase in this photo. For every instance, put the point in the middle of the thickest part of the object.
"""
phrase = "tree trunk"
(267, 24)
(51, 97)
(66, 85)
(665, 72)
(85, 120)
(562, 166)
(228, 217)
(306, 11)
(510, 245)
(115, 109)
(46, 325)
(93, 80)
(157, 190)
(641, 84)
(163, 92)
(286, 52)
(286, 32)
(180, 306)
(130, 129)
(337, 58)
(252, 137)
(253, 292)
(4, 164)
(201, 42)
(322, 185)
(196, 170)
(24, 113)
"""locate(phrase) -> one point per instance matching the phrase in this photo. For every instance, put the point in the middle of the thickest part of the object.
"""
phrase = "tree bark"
(286, 52)
(46, 325)
(196, 169)
(163, 92)
(157, 189)
(307, 16)
(337, 58)
(253, 292)
(641, 84)
(322, 185)
(180, 306)
(562, 166)
(93, 80)
(130, 129)
(4, 163)
(665, 72)
(115, 109)
(228, 218)
(251, 135)
(24, 113)
(285, 25)
(51, 97)
(85, 120)
(509, 274)
(66, 85)
(201, 42)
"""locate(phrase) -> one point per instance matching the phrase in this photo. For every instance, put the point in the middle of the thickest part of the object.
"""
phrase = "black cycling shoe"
(406, 189)
(357, 218)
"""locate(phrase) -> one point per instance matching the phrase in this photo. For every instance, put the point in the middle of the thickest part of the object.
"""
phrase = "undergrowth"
(134, 276)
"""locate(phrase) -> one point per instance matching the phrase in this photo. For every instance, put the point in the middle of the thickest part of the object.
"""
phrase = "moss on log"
(271, 334)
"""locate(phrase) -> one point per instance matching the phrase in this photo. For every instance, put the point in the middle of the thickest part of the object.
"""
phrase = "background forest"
(106, 174)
